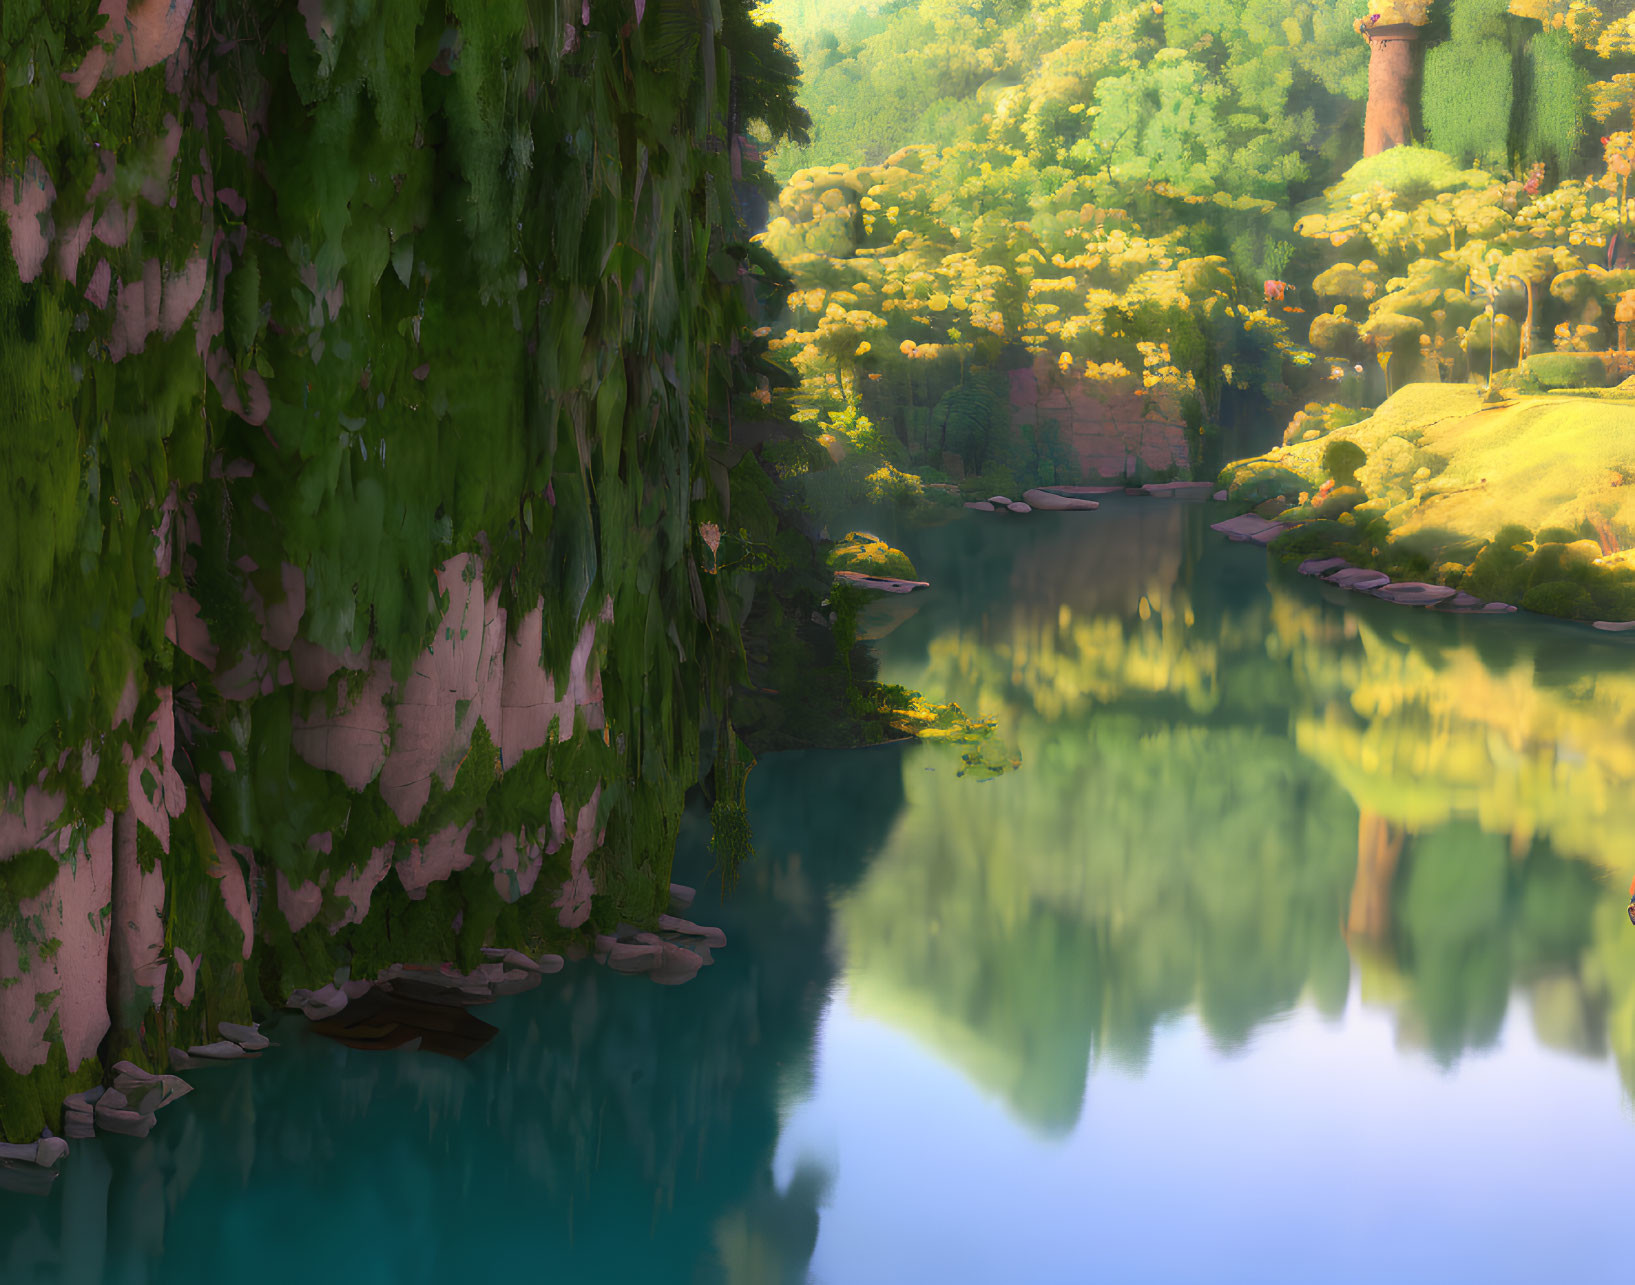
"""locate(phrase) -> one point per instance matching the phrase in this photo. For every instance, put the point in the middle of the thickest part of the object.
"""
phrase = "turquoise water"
(1274, 936)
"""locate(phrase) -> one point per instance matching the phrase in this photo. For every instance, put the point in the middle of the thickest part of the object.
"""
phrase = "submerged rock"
(981, 506)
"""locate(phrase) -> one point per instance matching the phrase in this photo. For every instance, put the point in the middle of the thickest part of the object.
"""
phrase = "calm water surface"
(1275, 936)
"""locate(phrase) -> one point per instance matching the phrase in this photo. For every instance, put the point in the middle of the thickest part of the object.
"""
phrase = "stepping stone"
(1019, 507)
(1615, 626)
(1246, 526)
(1461, 601)
(1359, 578)
(1414, 593)
(981, 506)
(1270, 533)
(1322, 566)
(1497, 608)
(997, 500)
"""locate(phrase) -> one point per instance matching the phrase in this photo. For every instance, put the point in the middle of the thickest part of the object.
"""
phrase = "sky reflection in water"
(1294, 950)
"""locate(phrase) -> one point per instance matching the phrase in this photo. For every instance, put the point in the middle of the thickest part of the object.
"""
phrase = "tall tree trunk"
(1390, 75)
(1379, 847)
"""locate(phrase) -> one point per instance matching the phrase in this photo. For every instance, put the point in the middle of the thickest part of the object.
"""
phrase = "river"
(1276, 935)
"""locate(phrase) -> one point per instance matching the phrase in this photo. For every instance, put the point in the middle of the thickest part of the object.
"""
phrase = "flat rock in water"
(1359, 578)
(247, 1037)
(714, 936)
(1246, 526)
(997, 500)
(1461, 601)
(1020, 507)
(1220, 495)
(1051, 502)
(886, 584)
(982, 506)
(1497, 608)
(1414, 593)
(1322, 566)
(1270, 533)
(1615, 626)
(218, 1051)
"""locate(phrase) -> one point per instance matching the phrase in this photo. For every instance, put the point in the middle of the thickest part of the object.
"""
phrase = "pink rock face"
(528, 701)
(156, 790)
(235, 891)
(515, 865)
(182, 292)
(573, 901)
(72, 911)
(1110, 431)
(300, 902)
(188, 630)
(188, 970)
(419, 865)
(137, 36)
(356, 888)
(25, 200)
(284, 618)
(352, 742)
(137, 958)
(464, 665)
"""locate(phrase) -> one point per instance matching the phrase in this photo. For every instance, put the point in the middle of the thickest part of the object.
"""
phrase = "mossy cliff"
(367, 376)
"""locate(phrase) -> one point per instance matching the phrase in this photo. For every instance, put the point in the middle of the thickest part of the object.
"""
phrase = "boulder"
(1020, 507)
(218, 1051)
(681, 896)
(714, 936)
(1058, 503)
(1497, 608)
(247, 1037)
(1220, 495)
(634, 957)
(49, 1151)
(998, 500)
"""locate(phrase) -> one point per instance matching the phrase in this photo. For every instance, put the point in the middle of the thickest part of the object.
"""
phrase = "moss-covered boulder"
(869, 555)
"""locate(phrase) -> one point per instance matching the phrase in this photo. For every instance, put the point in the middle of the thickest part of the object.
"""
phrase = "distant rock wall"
(1113, 432)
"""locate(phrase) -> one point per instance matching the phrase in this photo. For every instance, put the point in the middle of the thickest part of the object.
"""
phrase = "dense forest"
(1082, 240)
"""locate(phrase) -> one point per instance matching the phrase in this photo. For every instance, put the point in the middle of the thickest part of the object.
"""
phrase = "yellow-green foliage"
(870, 555)
(1520, 492)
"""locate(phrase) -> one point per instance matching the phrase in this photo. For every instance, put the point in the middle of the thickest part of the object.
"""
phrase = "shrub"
(1341, 460)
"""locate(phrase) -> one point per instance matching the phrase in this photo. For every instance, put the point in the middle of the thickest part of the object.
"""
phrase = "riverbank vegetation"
(1094, 240)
